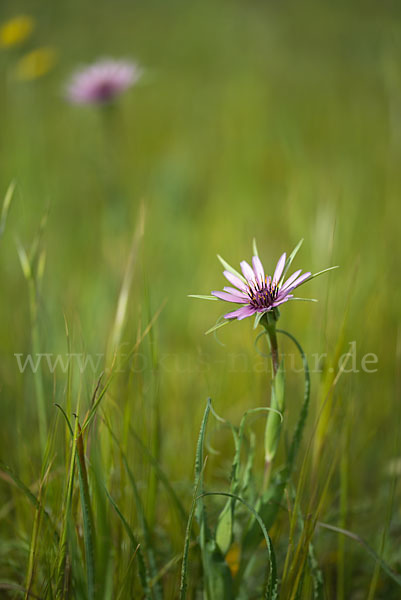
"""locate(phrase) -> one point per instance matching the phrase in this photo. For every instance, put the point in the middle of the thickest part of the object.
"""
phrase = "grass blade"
(89, 531)
(357, 538)
(196, 509)
(6, 207)
(162, 477)
(143, 574)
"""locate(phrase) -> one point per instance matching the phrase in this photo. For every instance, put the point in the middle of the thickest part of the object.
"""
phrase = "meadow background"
(273, 120)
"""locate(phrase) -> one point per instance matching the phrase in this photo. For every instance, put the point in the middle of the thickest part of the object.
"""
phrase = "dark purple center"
(105, 91)
(262, 296)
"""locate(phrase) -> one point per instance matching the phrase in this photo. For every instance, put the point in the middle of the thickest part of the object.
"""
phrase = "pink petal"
(258, 269)
(235, 292)
(241, 313)
(290, 280)
(230, 298)
(234, 280)
(279, 268)
(298, 282)
(247, 271)
(278, 302)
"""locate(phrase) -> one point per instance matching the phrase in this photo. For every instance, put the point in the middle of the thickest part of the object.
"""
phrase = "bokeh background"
(273, 120)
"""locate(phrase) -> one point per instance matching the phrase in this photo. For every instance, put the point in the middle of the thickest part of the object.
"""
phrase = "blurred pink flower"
(102, 82)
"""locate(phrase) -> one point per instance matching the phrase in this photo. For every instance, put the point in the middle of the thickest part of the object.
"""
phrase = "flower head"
(102, 82)
(258, 292)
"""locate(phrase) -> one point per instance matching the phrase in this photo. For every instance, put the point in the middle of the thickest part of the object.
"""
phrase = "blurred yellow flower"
(15, 31)
(36, 63)
(232, 558)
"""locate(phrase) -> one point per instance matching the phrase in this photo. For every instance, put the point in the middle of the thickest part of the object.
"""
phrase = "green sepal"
(290, 259)
(231, 269)
(202, 297)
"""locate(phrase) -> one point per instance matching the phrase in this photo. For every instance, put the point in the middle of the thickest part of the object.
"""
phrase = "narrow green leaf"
(24, 260)
(141, 514)
(123, 298)
(162, 477)
(247, 479)
(394, 576)
(185, 554)
(199, 457)
(254, 247)
(61, 579)
(215, 327)
(231, 269)
(65, 417)
(198, 487)
(217, 575)
(321, 272)
(300, 426)
(33, 550)
(29, 495)
(143, 575)
(224, 529)
(258, 317)
(202, 297)
(144, 526)
(6, 207)
(290, 259)
(87, 516)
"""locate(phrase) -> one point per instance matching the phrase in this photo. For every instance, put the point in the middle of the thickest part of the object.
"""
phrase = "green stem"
(269, 323)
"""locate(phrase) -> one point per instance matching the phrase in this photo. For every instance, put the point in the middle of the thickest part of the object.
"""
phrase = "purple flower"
(258, 292)
(102, 82)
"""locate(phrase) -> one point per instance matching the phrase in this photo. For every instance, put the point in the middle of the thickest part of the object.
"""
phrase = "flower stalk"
(269, 321)
(274, 417)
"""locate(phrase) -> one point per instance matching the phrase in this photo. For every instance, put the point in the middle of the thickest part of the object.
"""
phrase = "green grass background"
(274, 120)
